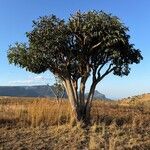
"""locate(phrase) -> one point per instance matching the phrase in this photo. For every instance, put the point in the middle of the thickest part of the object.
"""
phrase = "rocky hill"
(97, 95)
(36, 91)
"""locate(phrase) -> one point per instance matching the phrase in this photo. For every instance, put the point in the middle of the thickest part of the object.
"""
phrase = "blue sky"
(16, 18)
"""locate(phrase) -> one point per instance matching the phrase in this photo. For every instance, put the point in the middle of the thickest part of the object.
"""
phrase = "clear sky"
(16, 18)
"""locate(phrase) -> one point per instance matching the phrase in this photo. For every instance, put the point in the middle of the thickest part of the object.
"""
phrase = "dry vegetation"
(27, 123)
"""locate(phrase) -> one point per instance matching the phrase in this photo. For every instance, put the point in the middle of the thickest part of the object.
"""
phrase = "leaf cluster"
(74, 48)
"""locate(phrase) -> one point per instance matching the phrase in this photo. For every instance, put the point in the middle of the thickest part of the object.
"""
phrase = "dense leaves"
(85, 43)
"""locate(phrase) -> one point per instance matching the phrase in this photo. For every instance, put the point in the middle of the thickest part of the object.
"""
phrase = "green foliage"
(83, 44)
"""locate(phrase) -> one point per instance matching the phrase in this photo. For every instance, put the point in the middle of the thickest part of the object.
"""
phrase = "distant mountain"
(97, 95)
(29, 91)
(36, 91)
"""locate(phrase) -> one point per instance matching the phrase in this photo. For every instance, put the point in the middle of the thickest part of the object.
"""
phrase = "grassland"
(44, 124)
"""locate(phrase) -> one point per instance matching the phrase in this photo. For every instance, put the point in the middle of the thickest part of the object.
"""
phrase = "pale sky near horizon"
(16, 18)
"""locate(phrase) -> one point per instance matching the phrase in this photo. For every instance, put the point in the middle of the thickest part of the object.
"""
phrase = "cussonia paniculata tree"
(91, 44)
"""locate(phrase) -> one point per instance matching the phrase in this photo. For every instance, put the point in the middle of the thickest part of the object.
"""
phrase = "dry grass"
(35, 123)
(45, 112)
(33, 112)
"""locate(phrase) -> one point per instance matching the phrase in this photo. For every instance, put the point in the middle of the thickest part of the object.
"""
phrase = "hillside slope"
(143, 99)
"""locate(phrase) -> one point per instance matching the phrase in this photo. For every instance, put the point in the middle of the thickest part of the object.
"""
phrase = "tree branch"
(70, 92)
(109, 70)
(96, 45)
(82, 85)
(93, 86)
(94, 73)
(100, 69)
(75, 89)
(91, 93)
(85, 40)
(82, 89)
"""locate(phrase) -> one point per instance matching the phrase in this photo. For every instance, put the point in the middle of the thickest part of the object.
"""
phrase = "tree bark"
(80, 111)
(91, 93)
(72, 98)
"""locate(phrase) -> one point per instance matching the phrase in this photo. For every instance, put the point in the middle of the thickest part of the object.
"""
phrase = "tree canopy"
(93, 43)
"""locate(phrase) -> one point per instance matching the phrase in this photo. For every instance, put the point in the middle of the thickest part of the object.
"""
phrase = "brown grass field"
(44, 124)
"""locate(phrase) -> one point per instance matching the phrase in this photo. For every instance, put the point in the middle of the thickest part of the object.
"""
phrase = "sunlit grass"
(48, 112)
(46, 124)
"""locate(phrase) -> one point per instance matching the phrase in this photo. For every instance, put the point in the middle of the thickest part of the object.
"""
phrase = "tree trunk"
(80, 111)
(72, 97)
(84, 114)
(91, 94)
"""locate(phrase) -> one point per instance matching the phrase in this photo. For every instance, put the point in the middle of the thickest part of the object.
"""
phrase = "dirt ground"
(74, 138)
(40, 139)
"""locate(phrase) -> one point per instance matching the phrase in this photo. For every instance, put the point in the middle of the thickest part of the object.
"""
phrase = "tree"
(58, 89)
(87, 44)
